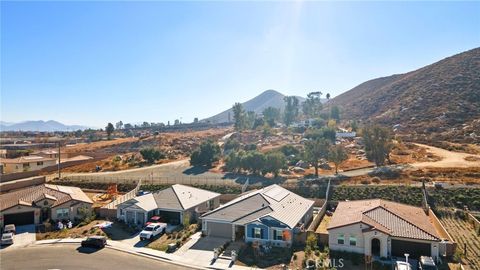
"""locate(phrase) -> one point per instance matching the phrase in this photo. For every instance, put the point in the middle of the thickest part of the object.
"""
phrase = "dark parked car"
(95, 241)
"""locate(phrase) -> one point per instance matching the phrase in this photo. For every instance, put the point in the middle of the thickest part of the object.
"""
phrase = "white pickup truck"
(152, 230)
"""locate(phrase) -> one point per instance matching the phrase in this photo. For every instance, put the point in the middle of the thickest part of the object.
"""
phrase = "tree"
(231, 144)
(312, 107)
(128, 126)
(377, 144)
(238, 116)
(151, 155)
(325, 133)
(119, 125)
(291, 110)
(195, 120)
(109, 129)
(337, 154)
(145, 124)
(316, 150)
(253, 161)
(249, 120)
(328, 96)
(335, 113)
(270, 115)
(207, 153)
(274, 162)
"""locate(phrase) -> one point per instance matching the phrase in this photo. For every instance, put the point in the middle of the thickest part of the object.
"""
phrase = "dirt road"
(449, 159)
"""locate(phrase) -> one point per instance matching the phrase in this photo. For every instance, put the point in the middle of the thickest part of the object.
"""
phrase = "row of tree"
(311, 108)
(255, 162)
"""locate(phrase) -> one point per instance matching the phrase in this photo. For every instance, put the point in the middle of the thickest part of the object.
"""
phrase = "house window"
(257, 232)
(278, 235)
(121, 212)
(26, 165)
(62, 213)
(353, 240)
(341, 239)
(210, 204)
(40, 163)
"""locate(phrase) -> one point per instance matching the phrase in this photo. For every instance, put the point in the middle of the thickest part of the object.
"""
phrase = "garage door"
(219, 229)
(19, 218)
(399, 248)
(170, 217)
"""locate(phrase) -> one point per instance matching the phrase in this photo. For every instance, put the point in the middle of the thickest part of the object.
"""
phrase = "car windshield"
(6, 236)
(148, 229)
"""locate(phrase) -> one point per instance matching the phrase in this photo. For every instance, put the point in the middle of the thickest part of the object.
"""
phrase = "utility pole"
(58, 165)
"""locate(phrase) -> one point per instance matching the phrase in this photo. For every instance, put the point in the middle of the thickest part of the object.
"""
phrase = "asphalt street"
(71, 256)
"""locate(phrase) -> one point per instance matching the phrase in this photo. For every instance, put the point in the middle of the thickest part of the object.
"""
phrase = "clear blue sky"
(95, 62)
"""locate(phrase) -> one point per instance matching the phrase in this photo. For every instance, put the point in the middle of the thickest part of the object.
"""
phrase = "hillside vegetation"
(438, 102)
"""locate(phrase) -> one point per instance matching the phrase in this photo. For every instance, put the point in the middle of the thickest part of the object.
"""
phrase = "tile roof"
(393, 218)
(28, 196)
(274, 201)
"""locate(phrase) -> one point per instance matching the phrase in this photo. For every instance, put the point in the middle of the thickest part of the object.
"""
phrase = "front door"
(239, 232)
(375, 247)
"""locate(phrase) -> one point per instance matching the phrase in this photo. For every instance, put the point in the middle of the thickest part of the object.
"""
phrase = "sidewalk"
(151, 253)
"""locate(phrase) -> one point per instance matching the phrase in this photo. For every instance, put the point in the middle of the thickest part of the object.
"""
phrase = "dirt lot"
(123, 153)
(449, 159)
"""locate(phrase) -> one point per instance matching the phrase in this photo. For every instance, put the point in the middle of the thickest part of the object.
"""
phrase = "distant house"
(26, 163)
(173, 204)
(383, 229)
(269, 215)
(36, 204)
(48, 154)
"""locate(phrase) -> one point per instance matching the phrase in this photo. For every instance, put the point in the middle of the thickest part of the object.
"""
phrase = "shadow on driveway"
(87, 250)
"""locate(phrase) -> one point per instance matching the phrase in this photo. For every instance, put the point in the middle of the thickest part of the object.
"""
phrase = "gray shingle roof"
(180, 197)
(274, 201)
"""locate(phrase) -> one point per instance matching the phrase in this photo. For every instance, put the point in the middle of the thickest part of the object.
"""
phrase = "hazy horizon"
(89, 63)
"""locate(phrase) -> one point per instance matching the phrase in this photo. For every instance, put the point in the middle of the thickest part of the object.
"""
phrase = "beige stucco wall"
(385, 244)
(18, 167)
(21, 209)
(353, 229)
(72, 207)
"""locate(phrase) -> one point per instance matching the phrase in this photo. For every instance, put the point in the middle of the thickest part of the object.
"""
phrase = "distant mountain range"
(47, 126)
(269, 98)
(441, 100)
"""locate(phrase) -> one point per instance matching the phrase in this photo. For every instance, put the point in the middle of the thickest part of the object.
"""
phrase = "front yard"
(178, 236)
(78, 231)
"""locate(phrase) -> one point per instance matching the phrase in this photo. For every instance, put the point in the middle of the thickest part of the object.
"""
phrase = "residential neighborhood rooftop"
(25, 159)
(274, 201)
(28, 196)
(393, 218)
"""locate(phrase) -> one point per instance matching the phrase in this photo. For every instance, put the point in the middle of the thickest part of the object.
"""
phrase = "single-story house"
(173, 204)
(381, 228)
(269, 215)
(26, 163)
(36, 204)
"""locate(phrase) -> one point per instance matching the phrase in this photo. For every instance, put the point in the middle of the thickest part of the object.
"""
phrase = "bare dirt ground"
(448, 159)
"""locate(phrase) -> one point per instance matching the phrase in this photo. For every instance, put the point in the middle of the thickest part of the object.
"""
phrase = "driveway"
(24, 236)
(200, 249)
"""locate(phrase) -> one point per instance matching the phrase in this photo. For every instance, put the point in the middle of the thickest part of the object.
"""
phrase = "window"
(278, 235)
(121, 212)
(353, 240)
(341, 239)
(257, 232)
(62, 213)
(40, 163)
(210, 204)
(26, 165)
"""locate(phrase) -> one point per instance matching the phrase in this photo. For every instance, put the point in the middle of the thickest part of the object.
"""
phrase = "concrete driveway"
(200, 249)
(25, 235)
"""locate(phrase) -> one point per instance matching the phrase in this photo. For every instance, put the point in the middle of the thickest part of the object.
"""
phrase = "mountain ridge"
(437, 99)
(39, 125)
(268, 98)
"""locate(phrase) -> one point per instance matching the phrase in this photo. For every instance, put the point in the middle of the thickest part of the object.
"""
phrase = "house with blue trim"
(271, 215)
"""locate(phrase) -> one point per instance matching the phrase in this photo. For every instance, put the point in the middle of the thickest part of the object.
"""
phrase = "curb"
(137, 253)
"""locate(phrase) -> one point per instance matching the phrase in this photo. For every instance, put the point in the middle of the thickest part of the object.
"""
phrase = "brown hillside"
(439, 101)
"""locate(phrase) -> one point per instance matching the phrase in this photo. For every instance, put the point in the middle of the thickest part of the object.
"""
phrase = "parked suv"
(95, 241)
(9, 228)
(153, 230)
(7, 239)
